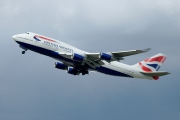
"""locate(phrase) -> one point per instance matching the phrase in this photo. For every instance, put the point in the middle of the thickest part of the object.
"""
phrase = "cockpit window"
(27, 32)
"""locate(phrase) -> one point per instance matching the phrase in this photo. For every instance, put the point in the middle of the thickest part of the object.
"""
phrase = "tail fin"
(152, 64)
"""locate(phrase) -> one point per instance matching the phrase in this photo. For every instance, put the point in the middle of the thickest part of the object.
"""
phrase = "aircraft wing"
(95, 59)
(116, 55)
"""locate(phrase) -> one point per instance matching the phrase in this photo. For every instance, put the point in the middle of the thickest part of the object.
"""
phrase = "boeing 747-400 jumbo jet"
(76, 61)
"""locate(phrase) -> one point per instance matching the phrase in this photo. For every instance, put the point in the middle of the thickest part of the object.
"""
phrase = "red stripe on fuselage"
(42, 37)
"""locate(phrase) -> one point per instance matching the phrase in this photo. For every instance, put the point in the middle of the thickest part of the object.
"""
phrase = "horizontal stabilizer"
(156, 73)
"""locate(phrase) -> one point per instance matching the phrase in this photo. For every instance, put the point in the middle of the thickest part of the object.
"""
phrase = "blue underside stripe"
(57, 56)
(45, 52)
(111, 72)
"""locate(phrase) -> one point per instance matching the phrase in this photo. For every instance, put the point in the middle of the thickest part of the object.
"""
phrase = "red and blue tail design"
(152, 64)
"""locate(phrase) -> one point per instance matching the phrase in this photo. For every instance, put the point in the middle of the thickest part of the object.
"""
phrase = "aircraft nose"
(14, 37)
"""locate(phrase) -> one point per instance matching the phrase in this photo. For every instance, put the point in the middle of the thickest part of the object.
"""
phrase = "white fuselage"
(59, 50)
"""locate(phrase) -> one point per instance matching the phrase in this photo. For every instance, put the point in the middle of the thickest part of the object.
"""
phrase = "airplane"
(76, 61)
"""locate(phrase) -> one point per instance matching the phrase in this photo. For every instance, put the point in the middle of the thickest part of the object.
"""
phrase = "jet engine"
(72, 71)
(77, 57)
(105, 56)
(60, 65)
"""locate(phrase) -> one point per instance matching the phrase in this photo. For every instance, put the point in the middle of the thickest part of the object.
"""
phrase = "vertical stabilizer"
(152, 64)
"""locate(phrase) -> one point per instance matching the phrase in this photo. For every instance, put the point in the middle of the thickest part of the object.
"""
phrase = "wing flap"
(157, 73)
(93, 56)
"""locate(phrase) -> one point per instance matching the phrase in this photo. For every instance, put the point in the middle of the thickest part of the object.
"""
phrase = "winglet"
(147, 49)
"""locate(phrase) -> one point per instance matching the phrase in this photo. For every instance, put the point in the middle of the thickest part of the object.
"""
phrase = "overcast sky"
(32, 89)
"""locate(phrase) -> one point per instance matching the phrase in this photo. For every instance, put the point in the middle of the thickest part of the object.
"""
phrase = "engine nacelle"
(77, 57)
(60, 65)
(72, 71)
(105, 56)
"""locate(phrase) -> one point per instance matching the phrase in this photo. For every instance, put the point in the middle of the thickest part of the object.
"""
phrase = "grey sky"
(31, 88)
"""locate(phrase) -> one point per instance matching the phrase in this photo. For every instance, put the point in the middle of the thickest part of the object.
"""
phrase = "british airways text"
(58, 46)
